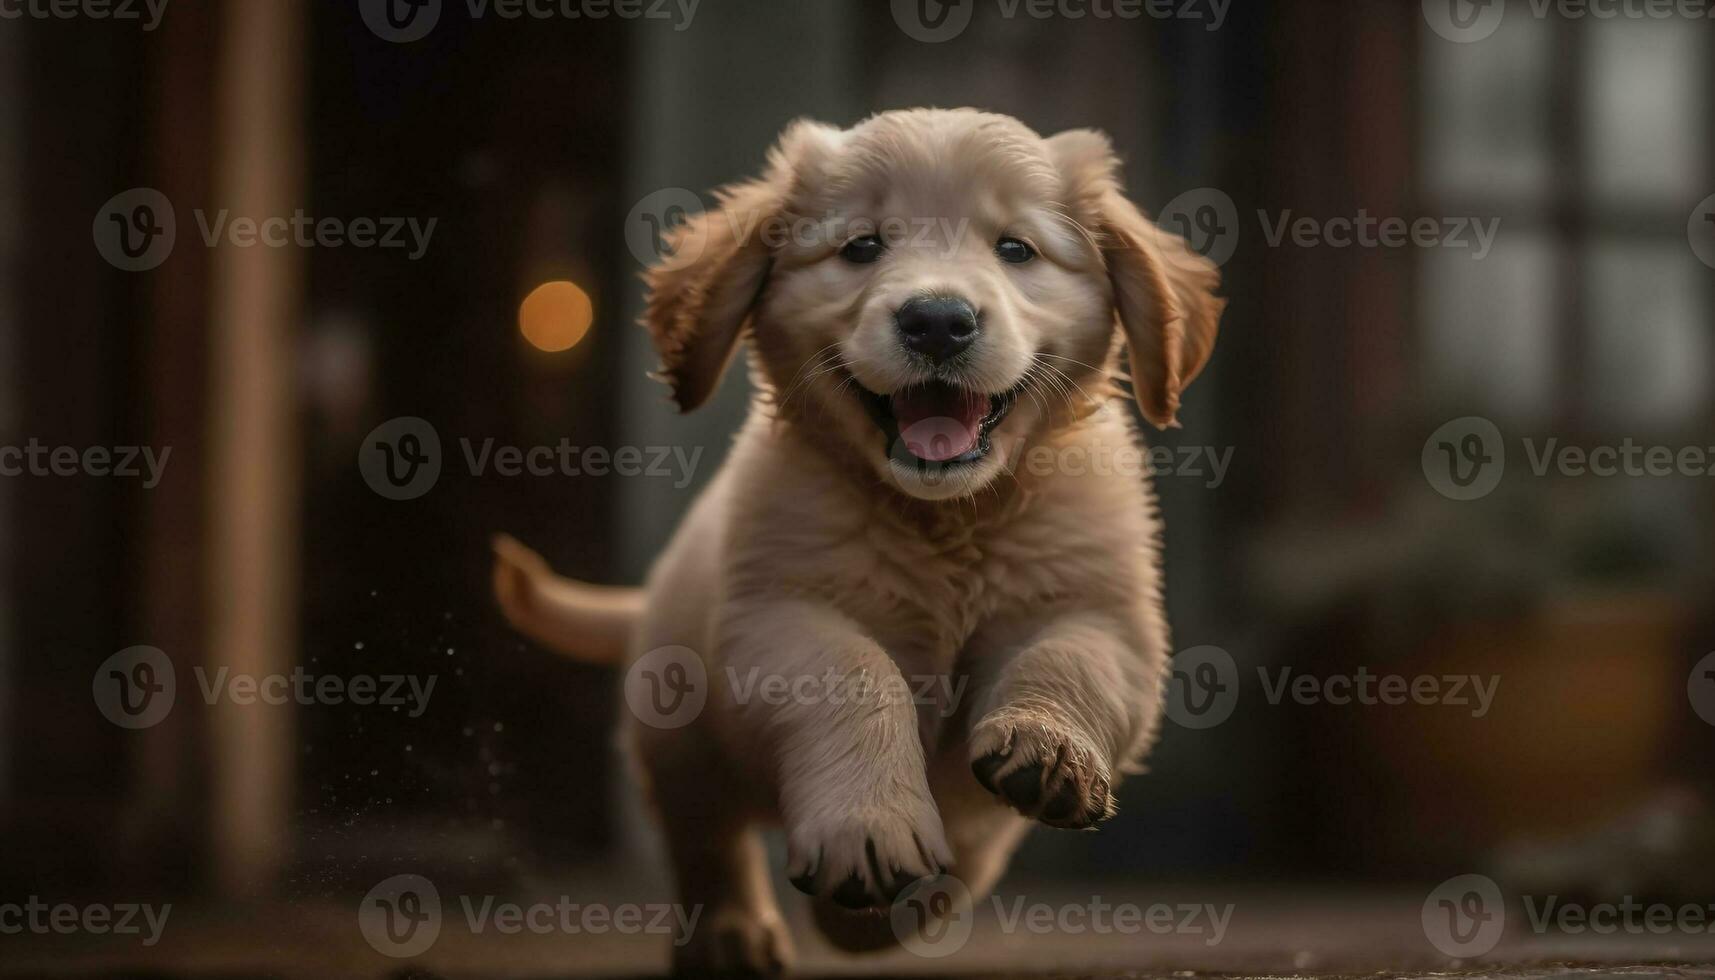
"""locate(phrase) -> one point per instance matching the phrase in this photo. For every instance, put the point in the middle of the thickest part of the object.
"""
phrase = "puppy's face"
(931, 286)
(938, 298)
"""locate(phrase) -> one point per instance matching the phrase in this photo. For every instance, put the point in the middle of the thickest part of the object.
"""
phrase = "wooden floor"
(1270, 933)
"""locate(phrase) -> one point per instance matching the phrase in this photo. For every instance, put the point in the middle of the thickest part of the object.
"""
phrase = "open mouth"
(938, 423)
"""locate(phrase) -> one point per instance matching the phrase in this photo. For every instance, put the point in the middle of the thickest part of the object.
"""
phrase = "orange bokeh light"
(555, 316)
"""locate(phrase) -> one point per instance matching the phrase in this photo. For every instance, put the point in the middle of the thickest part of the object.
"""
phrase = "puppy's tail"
(591, 623)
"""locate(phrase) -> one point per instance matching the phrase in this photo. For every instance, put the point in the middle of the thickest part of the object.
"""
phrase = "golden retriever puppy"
(911, 534)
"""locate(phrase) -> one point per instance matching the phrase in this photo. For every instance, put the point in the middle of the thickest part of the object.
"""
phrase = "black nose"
(938, 327)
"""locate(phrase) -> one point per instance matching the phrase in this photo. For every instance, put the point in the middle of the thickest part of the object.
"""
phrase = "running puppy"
(936, 302)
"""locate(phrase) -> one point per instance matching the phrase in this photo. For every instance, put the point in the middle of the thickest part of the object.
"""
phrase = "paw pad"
(1043, 774)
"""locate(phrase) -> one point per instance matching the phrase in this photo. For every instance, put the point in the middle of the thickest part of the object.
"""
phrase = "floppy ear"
(1164, 292)
(702, 291)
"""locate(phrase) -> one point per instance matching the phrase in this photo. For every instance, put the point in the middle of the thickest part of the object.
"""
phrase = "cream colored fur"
(1036, 588)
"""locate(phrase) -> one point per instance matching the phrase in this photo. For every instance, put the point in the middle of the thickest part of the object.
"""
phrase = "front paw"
(1043, 769)
(864, 856)
(733, 943)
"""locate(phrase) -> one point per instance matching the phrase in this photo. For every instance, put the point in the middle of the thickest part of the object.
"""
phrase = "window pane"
(1650, 347)
(1486, 111)
(1645, 116)
(1489, 348)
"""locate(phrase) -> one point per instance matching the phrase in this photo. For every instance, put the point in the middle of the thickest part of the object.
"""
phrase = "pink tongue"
(939, 423)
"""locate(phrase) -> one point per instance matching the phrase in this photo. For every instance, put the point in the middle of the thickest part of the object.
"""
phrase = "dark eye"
(863, 250)
(1014, 251)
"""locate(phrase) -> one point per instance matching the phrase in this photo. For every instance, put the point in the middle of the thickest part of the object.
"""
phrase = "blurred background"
(522, 168)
